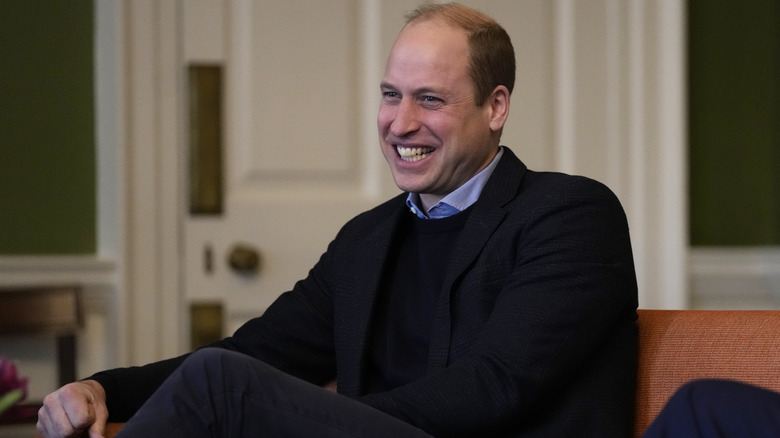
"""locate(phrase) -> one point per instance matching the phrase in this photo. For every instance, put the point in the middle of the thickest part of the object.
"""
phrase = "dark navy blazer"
(534, 332)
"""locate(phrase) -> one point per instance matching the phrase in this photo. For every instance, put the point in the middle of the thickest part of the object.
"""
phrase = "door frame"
(151, 156)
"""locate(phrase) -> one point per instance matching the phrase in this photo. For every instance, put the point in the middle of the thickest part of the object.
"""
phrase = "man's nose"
(405, 120)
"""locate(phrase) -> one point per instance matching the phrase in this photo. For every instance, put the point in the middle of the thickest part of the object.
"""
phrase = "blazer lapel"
(369, 263)
(486, 216)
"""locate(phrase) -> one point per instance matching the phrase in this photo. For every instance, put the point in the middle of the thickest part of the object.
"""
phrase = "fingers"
(53, 421)
(72, 409)
(97, 431)
(98, 428)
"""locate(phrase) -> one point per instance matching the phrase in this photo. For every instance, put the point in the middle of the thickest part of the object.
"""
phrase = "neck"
(427, 200)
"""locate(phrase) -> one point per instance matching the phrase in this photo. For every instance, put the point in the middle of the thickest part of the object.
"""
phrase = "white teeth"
(413, 154)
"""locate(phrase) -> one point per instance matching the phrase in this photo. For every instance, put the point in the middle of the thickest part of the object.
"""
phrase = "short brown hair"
(492, 54)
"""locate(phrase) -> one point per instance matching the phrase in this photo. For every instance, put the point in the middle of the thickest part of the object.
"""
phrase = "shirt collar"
(459, 199)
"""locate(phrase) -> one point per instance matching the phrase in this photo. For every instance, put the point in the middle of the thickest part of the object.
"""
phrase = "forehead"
(429, 50)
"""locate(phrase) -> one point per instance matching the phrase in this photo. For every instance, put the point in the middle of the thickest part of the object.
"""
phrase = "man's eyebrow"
(415, 92)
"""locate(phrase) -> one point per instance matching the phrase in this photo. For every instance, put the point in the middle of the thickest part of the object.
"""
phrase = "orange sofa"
(676, 346)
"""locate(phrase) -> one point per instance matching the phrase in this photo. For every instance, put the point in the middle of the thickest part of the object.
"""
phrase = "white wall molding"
(735, 277)
(670, 175)
(47, 270)
(565, 143)
(635, 188)
(109, 127)
(152, 159)
(97, 341)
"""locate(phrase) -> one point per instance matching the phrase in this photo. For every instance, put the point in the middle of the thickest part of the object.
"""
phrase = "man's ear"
(499, 107)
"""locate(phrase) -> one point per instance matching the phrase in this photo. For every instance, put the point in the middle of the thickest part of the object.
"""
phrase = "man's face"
(432, 134)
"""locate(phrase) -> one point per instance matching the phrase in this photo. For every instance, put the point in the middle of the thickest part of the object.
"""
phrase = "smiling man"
(487, 300)
(435, 130)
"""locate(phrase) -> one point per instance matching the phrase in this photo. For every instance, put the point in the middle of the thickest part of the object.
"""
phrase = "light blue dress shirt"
(460, 199)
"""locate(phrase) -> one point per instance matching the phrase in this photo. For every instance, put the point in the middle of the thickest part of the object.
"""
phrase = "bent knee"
(213, 359)
(221, 360)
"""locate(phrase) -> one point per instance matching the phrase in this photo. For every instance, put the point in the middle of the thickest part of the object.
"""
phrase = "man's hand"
(73, 409)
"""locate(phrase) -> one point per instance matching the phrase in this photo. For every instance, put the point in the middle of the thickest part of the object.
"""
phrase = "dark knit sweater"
(404, 314)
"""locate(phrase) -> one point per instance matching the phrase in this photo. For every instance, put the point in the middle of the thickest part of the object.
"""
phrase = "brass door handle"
(244, 259)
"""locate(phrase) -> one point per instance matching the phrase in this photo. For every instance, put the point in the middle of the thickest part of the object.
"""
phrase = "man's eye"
(431, 102)
(389, 94)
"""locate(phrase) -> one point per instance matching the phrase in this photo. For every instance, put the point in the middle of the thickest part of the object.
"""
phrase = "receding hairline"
(491, 53)
(453, 14)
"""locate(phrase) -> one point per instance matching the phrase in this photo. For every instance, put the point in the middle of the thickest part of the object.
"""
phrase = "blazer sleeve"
(568, 288)
(293, 335)
(128, 388)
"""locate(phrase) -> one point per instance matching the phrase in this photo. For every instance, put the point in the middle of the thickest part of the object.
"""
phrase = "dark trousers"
(219, 393)
(714, 408)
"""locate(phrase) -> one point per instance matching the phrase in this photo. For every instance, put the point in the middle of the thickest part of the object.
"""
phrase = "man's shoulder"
(544, 180)
(544, 190)
(555, 181)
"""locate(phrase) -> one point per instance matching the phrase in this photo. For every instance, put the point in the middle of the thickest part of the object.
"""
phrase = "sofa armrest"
(111, 429)
(676, 346)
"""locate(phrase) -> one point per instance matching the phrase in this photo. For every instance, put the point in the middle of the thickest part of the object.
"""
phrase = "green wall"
(734, 80)
(47, 145)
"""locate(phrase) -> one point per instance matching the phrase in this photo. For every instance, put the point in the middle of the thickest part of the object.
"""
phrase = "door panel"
(303, 93)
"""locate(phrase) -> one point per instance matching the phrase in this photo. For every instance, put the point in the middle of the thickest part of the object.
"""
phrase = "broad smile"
(413, 154)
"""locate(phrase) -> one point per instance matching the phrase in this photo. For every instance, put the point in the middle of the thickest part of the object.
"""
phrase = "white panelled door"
(300, 150)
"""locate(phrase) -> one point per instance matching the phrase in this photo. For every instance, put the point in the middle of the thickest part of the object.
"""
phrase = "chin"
(407, 186)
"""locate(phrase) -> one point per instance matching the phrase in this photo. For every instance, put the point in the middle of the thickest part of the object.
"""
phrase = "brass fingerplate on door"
(205, 139)
(206, 322)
